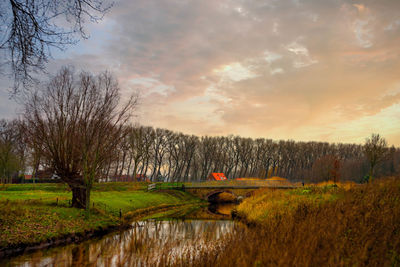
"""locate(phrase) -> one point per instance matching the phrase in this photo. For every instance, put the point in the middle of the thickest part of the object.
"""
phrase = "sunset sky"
(280, 69)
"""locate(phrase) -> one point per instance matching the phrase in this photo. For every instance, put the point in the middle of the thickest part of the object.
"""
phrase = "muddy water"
(147, 243)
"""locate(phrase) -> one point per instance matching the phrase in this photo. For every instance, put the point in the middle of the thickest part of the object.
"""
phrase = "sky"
(281, 69)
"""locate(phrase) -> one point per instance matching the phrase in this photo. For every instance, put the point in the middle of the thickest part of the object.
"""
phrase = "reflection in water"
(222, 209)
(148, 243)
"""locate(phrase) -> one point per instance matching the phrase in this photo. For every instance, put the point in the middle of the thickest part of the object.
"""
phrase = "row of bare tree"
(172, 156)
(77, 127)
(161, 154)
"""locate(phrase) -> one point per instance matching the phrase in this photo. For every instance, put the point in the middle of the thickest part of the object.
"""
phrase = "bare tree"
(136, 147)
(159, 148)
(78, 121)
(375, 149)
(147, 142)
(190, 151)
(179, 157)
(30, 28)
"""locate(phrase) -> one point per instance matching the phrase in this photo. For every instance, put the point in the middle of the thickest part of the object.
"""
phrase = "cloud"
(303, 58)
(361, 8)
(234, 72)
(279, 69)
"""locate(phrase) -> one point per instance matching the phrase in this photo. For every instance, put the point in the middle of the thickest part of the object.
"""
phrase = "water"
(222, 209)
(147, 243)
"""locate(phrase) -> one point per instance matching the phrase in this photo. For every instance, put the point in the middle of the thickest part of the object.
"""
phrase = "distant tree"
(324, 169)
(136, 147)
(335, 171)
(28, 29)
(11, 156)
(77, 121)
(375, 149)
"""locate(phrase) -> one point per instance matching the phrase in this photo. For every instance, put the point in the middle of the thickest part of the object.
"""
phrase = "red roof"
(28, 176)
(217, 176)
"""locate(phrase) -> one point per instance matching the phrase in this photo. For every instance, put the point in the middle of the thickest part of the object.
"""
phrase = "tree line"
(77, 127)
(172, 156)
(165, 155)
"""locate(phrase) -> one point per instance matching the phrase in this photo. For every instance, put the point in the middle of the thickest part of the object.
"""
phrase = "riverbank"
(316, 226)
(265, 204)
(33, 216)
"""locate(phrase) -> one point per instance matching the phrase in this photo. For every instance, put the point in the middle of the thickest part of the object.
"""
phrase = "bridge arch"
(213, 195)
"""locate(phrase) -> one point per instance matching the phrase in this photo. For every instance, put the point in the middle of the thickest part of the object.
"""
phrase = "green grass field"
(35, 213)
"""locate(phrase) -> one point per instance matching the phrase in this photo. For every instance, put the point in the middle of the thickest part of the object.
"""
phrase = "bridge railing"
(251, 183)
(151, 187)
(165, 186)
(220, 184)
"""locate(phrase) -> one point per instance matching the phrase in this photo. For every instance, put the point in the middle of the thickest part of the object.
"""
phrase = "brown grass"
(345, 185)
(315, 226)
(267, 203)
(361, 228)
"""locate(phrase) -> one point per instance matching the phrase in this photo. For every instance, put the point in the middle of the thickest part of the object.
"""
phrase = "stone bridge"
(210, 193)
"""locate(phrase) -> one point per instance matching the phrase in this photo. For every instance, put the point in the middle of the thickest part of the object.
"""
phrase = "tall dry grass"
(323, 226)
(361, 228)
(268, 203)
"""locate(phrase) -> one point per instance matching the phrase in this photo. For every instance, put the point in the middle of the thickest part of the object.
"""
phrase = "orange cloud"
(314, 70)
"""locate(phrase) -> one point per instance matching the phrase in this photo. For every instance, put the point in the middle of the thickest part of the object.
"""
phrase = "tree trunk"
(129, 167)
(80, 197)
(134, 174)
(123, 163)
(186, 175)
(371, 173)
(146, 167)
(108, 171)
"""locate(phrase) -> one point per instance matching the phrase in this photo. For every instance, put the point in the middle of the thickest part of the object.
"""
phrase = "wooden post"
(57, 201)
(120, 214)
(93, 204)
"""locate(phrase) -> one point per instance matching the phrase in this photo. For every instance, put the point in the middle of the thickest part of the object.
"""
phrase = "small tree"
(375, 149)
(77, 121)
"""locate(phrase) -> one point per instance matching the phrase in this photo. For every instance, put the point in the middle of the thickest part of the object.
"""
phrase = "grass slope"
(265, 204)
(35, 213)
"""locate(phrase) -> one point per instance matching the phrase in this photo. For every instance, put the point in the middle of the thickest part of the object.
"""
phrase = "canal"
(166, 240)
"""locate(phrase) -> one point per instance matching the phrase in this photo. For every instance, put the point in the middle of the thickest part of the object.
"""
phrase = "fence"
(166, 186)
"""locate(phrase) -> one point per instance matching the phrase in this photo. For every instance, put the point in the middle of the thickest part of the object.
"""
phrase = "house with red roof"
(216, 176)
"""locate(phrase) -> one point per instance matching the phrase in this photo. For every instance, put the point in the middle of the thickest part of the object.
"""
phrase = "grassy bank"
(30, 214)
(267, 204)
(325, 226)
